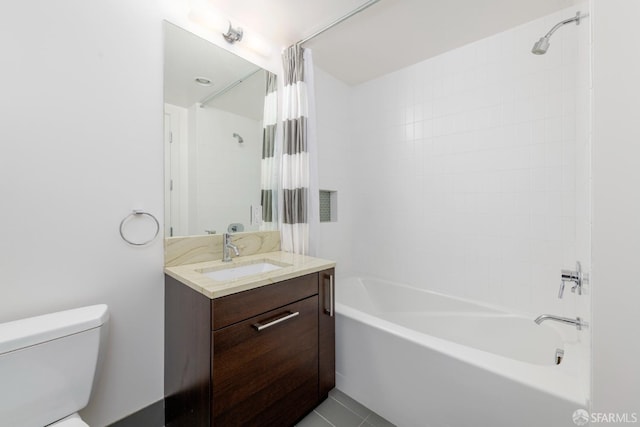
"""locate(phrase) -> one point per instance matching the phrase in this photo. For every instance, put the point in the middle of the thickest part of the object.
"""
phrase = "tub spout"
(577, 322)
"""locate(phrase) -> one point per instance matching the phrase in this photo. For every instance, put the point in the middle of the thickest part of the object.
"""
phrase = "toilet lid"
(71, 421)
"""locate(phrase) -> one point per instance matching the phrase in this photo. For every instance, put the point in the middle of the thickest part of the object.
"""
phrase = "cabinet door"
(327, 333)
(265, 369)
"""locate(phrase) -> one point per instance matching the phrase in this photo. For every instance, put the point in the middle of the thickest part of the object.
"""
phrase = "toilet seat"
(70, 421)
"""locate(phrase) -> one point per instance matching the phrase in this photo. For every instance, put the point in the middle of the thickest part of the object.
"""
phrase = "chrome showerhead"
(540, 47)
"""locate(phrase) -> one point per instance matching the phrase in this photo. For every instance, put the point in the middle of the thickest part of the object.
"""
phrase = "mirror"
(213, 117)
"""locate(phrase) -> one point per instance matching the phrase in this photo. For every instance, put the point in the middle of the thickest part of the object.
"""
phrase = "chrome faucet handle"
(561, 291)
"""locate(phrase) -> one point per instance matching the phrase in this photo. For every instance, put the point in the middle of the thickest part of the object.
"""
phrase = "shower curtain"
(299, 177)
(269, 172)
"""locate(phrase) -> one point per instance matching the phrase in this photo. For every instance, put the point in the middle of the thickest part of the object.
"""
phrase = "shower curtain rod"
(226, 89)
(337, 21)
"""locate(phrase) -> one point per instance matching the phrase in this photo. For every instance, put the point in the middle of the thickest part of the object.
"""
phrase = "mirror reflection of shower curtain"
(269, 172)
(296, 158)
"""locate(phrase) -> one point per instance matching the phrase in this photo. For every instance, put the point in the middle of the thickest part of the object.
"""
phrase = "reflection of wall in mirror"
(228, 178)
(223, 175)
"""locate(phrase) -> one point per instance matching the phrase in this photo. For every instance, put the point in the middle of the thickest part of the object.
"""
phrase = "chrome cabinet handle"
(330, 312)
(260, 326)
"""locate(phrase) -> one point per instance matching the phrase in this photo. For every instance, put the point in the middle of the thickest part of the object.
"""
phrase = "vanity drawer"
(234, 308)
(267, 377)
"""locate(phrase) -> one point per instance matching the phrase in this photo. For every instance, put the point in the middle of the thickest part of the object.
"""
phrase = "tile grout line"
(364, 421)
(350, 410)
(320, 415)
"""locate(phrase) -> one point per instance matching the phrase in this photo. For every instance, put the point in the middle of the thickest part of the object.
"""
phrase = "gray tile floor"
(339, 410)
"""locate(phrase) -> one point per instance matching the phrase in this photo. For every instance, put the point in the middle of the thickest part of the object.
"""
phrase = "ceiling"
(387, 36)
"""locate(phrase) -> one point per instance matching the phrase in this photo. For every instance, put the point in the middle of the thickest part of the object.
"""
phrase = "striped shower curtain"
(296, 163)
(269, 172)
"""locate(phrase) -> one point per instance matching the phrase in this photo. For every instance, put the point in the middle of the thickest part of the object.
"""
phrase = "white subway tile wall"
(470, 170)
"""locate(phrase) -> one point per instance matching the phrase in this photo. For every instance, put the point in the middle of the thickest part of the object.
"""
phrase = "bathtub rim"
(487, 307)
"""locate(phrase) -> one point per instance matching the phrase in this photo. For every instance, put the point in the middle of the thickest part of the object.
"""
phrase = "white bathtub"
(422, 359)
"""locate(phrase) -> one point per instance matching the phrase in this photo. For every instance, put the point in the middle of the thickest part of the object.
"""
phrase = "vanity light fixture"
(215, 21)
(233, 34)
(201, 13)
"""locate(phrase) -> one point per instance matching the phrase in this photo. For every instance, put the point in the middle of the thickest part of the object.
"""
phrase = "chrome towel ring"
(134, 214)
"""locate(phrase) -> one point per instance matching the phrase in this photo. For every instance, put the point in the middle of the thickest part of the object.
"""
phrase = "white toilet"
(47, 366)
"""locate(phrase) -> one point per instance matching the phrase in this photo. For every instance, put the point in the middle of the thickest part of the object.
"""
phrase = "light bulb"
(204, 16)
(256, 44)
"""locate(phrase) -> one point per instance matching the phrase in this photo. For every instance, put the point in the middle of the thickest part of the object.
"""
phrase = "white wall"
(468, 165)
(81, 112)
(616, 207)
(336, 149)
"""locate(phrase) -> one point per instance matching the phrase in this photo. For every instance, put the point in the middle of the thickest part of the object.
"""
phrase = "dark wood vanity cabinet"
(262, 357)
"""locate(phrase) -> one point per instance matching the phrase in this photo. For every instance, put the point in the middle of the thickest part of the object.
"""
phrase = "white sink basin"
(242, 270)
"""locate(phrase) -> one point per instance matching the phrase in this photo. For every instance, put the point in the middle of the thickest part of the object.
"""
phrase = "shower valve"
(571, 276)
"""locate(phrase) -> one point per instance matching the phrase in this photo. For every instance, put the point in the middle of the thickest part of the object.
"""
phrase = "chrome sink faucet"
(577, 322)
(226, 245)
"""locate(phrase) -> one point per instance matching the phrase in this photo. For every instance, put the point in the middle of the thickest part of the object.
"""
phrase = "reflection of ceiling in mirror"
(188, 56)
(246, 99)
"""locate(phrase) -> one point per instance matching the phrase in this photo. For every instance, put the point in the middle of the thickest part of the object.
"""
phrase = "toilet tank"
(47, 365)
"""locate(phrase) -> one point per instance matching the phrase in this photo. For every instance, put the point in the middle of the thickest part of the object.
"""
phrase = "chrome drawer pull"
(331, 287)
(260, 327)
